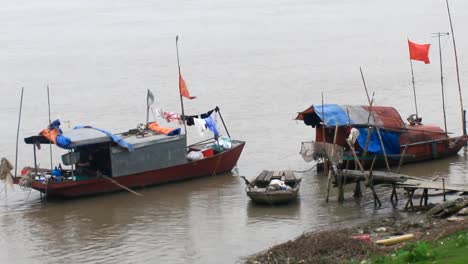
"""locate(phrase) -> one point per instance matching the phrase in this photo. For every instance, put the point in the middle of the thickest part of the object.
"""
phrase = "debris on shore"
(358, 243)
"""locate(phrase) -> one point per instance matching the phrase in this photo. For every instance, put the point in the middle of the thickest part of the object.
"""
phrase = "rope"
(307, 169)
(25, 181)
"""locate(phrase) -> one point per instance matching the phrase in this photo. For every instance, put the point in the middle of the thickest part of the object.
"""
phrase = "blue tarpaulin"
(114, 137)
(61, 141)
(391, 141)
(333, 113)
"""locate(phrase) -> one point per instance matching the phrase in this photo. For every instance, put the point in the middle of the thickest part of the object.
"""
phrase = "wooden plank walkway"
(433, 185)
(406, 182)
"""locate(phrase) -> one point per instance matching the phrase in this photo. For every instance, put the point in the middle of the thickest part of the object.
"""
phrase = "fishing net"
(5, 174)
(315, 150)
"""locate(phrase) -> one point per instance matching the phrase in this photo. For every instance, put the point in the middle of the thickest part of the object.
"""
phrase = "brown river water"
(260, 61)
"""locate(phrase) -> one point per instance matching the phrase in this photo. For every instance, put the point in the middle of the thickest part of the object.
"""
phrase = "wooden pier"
(396, 181)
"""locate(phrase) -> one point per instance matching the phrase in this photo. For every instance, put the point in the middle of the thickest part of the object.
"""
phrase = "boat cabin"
(93, 151)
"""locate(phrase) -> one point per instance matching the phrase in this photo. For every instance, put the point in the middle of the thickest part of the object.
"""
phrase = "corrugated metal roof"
(356, 115)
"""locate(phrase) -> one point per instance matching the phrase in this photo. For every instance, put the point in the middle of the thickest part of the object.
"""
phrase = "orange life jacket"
(158, 129)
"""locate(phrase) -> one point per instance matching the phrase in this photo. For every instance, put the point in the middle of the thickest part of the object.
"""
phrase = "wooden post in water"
(401, 159)
(331, 170)
(383, 149)
(443, 188)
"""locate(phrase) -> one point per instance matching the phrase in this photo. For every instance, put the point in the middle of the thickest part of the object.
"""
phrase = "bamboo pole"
(366, 177)
(401, 159)
(383, 149)
(325, 162)
(332, 153)
(118, 184)
(17, 132)
(365, 86)
(439, 34)
(224, 124)
(369, 131)
(456, 67)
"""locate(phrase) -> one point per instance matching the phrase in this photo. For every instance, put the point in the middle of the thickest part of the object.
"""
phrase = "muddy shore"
(357, 243)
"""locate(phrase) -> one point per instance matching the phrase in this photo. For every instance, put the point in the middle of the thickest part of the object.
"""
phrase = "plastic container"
(208, 152)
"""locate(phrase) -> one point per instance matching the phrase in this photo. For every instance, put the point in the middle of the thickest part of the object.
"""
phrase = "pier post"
(357, 190)
(443, 188)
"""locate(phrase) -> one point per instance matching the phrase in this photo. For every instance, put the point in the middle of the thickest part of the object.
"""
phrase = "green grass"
(450, 249)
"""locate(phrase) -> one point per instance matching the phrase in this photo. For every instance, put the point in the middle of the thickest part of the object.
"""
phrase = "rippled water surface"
(260, 61)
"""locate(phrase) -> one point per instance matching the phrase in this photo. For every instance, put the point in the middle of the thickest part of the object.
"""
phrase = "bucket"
(208, 152)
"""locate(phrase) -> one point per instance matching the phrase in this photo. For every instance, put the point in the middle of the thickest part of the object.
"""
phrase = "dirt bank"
(335, 246)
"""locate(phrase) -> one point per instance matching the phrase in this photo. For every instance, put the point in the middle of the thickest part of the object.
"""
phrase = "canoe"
(273, 187)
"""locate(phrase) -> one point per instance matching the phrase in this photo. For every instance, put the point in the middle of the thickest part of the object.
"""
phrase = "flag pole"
(439, 34)
(414, 88)
(50, 122)
(456, 67)
(180, 94)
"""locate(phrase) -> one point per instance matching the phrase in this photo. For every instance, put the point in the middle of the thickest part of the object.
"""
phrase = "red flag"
(419, 52)
(183, 88)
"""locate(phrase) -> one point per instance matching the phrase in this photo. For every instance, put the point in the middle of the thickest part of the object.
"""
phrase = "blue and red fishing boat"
(389, 136)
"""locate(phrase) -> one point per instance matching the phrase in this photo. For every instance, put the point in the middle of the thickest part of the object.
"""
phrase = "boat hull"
(273, 197)
(219, 163)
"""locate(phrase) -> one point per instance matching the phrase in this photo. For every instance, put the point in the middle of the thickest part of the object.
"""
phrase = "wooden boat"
(263, 189)
(153, 159)
(411, 142)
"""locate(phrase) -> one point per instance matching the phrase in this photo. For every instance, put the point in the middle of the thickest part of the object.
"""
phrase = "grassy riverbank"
(339, 246)
(450, 249)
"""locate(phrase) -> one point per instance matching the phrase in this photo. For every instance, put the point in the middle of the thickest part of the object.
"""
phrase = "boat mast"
(456, 67)
(17, 132)
(180, 93)
(50, 122)
(438, 35)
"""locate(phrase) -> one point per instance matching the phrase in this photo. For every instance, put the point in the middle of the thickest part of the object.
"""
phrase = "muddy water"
(260, 61)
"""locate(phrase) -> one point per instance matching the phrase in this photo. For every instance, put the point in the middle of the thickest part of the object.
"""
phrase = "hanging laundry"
(171, 116)
(200, 124)
(159, 112)
(207, 114)
(211, 125)
(204, 115)
(189, 120)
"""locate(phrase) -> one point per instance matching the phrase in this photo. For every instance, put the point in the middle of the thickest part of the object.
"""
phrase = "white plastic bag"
(195, 155)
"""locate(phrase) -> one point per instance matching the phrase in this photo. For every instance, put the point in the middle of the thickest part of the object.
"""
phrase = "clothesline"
(202, 121)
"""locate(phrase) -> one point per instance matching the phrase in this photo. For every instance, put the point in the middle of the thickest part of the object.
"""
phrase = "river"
(260, 61)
